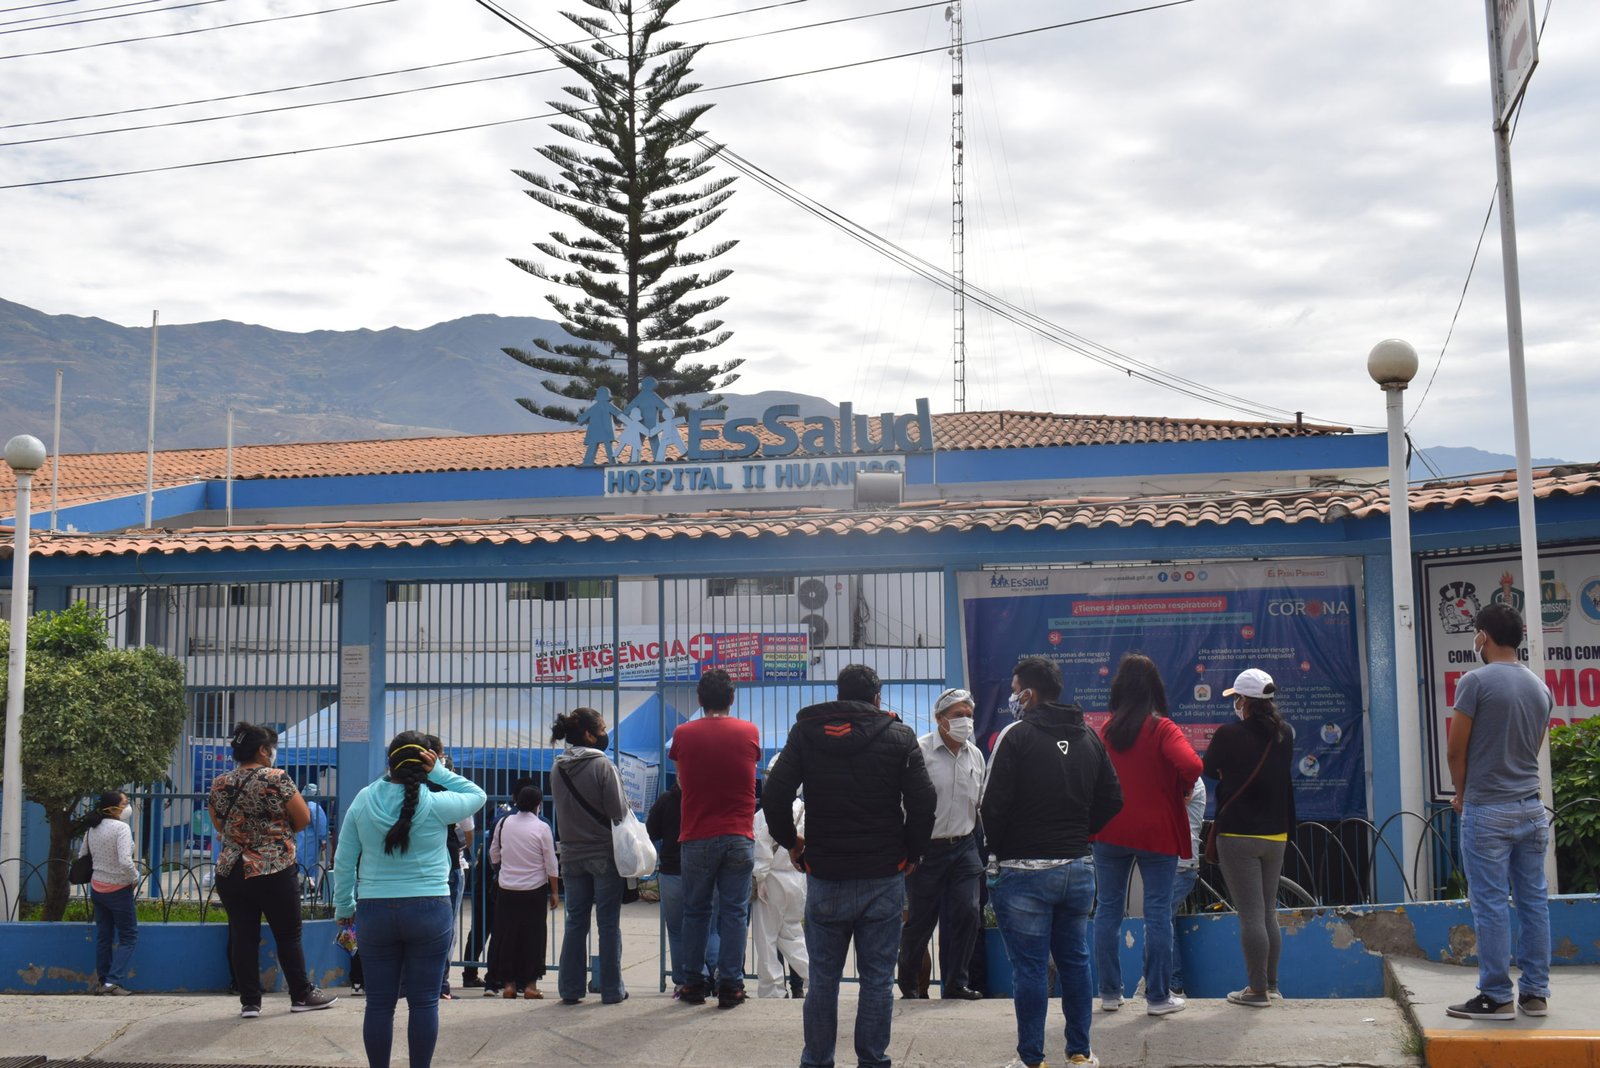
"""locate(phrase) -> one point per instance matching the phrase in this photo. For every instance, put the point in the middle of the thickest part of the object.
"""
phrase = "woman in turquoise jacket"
(392, 857)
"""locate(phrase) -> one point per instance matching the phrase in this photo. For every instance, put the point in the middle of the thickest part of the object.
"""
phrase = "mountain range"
(326, 385)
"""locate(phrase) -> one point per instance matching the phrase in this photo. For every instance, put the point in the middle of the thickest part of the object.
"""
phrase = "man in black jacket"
(869, 814)
(1049, 787)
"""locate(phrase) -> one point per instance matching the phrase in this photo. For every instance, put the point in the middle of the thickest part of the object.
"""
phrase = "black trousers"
(277, 897)
(521, 919)
(943, 891)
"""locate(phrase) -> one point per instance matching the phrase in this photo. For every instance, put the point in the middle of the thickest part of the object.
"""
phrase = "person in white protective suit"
(780, 906)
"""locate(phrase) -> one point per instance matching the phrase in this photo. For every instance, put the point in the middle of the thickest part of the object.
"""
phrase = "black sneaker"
(249, 1012)
(694, 994)
(730, 997)
(357, 990)
(469, 977)
(1483, 1007)
(1533, 1005)
(314, 999)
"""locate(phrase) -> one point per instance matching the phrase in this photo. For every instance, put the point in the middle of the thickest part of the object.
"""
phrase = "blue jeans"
(404, 940)
(1502, 853)
(116, 922)
(1182, 885)
(837, 910)
(1112, 865)
(591, 885)
(1044, 914)
(672, 919)
(722, 869)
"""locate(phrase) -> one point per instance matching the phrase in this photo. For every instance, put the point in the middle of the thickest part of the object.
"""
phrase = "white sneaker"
(1018, 1062)
(1166, 1008)
(1087, 1060)
(1110, 1002)
(1273, 994)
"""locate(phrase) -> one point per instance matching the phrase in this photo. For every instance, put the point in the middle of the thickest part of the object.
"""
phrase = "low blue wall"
(177, 958)
(1337, 952)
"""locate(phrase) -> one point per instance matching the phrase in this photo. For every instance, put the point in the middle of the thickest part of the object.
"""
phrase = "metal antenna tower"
(958, 199)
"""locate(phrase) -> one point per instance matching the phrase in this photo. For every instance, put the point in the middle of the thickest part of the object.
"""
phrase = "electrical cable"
(400, 92)
(467, 127)
(1483, 231)
(1105, 356)
(353, 77)
(104, 18)
(55, 3)
(194, 30)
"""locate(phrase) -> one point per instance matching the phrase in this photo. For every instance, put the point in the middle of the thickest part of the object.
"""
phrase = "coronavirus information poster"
(1299, 620)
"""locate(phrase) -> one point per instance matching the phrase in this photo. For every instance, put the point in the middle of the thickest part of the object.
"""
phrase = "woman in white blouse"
(110, 844)
(525, 849)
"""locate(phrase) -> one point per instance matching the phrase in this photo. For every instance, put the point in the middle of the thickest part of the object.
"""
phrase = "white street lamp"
(26, 454)
(1393, 364)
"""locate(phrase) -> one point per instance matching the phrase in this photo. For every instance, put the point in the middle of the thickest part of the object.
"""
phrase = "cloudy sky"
(1245, 193)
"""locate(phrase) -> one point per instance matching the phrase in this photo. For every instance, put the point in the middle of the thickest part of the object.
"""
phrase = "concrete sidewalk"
(652, 1029)
(1567, 1038)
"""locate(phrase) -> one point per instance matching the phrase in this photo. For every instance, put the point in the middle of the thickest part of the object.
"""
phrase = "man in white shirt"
(944, 888)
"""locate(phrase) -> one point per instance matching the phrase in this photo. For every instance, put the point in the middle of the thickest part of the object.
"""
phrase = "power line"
(354, 77)
(468, 127)
(104, 18)
(1494, 197)
(198, 29)
(424, 88)
(56, 3)
(1091, 350)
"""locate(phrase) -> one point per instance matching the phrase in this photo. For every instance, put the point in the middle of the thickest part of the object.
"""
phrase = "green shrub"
(1575, 777)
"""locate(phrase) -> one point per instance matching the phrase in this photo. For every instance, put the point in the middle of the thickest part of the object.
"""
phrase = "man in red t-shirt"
(716, 757)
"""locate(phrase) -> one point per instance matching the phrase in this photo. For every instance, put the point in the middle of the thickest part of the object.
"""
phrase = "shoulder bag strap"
(1240, 791)
(238, 792)
(599, 817)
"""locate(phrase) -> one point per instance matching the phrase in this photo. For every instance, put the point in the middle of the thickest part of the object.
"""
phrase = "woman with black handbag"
(114, 875)
(1251, 760)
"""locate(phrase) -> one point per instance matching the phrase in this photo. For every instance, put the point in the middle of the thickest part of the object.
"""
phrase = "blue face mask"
(1014, 706)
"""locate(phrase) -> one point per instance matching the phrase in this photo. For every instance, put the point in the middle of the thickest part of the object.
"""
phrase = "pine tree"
(632, 185)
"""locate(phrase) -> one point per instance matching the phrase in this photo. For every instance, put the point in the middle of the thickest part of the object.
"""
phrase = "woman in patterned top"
(257, 811)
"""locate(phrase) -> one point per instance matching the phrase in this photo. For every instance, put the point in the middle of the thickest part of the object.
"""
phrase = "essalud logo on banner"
(645, 428)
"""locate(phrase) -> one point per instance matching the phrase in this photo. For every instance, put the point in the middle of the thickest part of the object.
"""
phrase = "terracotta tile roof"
(1302, 506)
(96, 476)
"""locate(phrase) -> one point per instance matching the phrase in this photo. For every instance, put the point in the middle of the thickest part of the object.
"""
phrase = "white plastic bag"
(631, 848)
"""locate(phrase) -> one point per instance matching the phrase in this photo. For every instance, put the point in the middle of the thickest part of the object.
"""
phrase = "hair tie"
(408, 760)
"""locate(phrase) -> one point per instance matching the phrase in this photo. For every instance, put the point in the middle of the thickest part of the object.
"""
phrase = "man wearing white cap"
(944, 888)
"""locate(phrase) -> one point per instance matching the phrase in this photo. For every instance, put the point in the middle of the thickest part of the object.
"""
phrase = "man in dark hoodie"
(1050, 785)
(869, 814)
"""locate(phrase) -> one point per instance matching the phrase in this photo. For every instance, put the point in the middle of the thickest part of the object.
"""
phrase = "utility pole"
(958, 198)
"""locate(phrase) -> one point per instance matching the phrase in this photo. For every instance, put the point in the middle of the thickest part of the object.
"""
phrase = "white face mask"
(127, 815)
(1014, 706)
(959, 727)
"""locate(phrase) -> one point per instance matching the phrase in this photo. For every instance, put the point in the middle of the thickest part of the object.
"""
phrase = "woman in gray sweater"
(109, 844)
(588, 795)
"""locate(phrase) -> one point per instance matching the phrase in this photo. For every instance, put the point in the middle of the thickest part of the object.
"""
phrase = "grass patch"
(81, 911)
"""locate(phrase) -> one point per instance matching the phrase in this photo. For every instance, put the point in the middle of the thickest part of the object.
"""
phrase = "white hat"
(1252, 682)
(950, 698)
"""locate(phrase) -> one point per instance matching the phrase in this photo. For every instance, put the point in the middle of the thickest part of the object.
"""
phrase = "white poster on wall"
(1455, 588)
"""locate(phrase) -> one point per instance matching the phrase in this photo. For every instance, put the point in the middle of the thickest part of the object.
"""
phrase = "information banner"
(1456, 587)
(776, 653)
(1202, 624)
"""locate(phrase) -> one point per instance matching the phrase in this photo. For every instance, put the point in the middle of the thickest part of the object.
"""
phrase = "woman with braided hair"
(392, 858)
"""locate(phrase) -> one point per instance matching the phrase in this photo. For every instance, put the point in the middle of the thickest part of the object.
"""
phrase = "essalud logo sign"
(645, 428)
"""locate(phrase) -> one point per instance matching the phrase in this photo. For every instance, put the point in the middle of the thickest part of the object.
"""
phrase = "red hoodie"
(1156, 772)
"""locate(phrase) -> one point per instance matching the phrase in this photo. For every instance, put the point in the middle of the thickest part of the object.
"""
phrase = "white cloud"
(1245, 195)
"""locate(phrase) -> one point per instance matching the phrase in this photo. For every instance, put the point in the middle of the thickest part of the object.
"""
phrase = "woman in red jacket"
(1157, 768)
